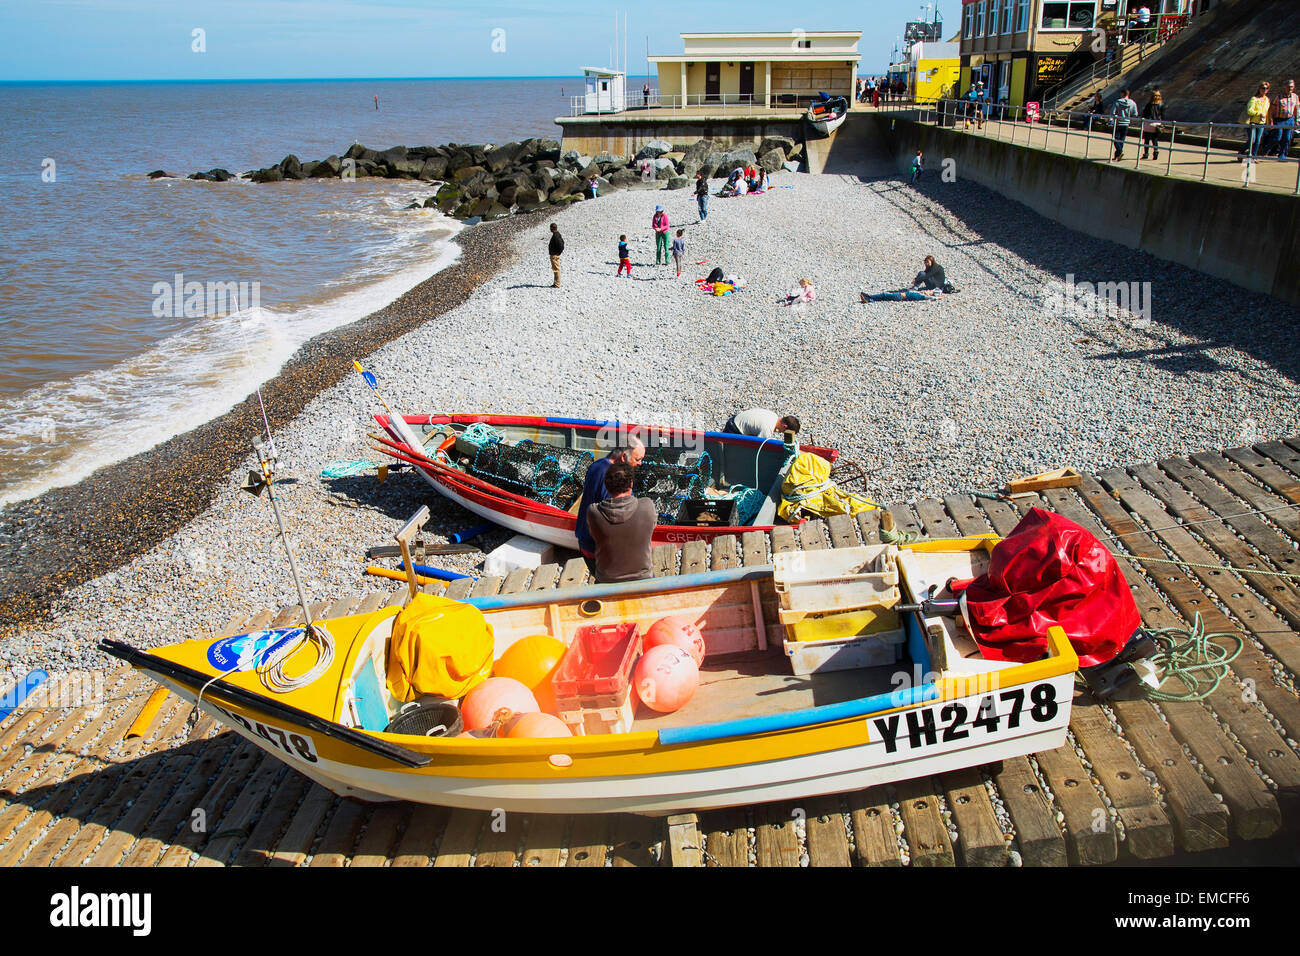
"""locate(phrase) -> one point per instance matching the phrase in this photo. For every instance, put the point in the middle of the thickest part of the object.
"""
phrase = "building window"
(979, 19)
(805, 44)
(1007, 6)
(1022, 16)
(1069, 15)
(970, 20)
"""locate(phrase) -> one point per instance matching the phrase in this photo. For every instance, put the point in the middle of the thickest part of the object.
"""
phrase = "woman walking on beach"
(659, 223)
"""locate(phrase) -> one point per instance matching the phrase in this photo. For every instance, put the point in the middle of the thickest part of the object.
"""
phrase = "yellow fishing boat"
(926, 701)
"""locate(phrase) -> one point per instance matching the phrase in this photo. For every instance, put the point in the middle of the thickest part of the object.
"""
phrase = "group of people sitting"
(749, 179)
(614, 527)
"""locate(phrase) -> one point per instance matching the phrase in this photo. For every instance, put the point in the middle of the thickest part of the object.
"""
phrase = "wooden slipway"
(1138, 780)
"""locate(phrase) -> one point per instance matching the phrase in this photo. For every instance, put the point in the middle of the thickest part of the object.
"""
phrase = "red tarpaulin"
(1050, 571)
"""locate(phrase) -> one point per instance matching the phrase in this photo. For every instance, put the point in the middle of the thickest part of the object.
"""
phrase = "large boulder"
(271, 174)
(678, 182)
(458, 159)
(466, 173)
(707, 170)
(503, 157)
(565, 184)
(544, 179)
(795, 151)
(159, 174)
(308, 168)
(665, 173)
(736, 159)
(697, 154)
(355, 151)
(219, 175)
(434, 169)
(477, 154)
(624, 177)
(571, 158)
(775, 142)
(464, 209)
(291, 166)
(772, 160)
(329, 167)
(392, 156)
(548, 149)
(529, 199)
(654, 149)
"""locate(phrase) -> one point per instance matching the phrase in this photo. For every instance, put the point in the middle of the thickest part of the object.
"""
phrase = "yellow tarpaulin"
(808, 489)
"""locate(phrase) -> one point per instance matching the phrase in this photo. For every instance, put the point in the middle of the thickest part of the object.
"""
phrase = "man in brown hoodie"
(621, 526)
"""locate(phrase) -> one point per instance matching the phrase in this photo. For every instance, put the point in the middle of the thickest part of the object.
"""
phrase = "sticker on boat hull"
(955, 723)
(243, 652)
(290, 742)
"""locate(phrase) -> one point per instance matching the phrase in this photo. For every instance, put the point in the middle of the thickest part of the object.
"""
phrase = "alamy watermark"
(1102, 300)
(670, 429)
(194, 300)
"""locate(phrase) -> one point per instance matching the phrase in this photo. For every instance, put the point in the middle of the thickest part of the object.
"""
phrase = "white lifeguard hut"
(606, 90)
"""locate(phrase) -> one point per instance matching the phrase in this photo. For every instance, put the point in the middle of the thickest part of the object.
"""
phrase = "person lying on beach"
(930, 283)
(804, 294)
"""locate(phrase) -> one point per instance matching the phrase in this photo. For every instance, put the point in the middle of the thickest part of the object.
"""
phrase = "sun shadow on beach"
(1003, 235)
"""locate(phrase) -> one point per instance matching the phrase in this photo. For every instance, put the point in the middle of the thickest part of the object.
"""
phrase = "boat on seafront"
(825, 116)
(900, 697)
(525, 472)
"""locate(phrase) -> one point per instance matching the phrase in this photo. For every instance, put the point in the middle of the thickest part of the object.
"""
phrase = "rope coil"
(1193, 659)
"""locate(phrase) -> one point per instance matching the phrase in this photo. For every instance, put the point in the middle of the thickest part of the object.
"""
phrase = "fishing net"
(546, 473)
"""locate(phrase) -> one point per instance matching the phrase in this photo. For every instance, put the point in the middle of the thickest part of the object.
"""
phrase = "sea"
(133, 310)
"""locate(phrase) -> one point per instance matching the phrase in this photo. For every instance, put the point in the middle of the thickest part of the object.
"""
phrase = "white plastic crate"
(812, 582)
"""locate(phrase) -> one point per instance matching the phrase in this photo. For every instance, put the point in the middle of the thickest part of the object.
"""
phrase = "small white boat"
(826, 115)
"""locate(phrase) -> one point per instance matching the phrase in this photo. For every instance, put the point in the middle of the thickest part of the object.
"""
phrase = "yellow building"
(758, 69)
(933, 70)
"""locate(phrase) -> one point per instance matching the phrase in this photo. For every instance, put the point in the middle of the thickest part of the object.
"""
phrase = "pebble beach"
(931, 398)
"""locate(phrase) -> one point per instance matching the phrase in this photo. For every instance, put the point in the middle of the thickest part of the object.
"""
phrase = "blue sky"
(246, 39)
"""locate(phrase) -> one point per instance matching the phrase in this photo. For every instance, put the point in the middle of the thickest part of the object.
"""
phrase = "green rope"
(1214, 567)
(1192, 659)
(345, 469)
(899, 537)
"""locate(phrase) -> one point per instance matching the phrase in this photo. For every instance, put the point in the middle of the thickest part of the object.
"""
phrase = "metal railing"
(678, 101)
(1189, 140)
(1124, 44)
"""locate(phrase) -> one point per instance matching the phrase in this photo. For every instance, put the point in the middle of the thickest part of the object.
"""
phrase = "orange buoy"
(534, 725)
(480, 705)
(679, 632)
(666, 678)
(531, 661)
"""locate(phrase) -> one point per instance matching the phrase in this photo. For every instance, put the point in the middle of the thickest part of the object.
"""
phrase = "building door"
(747, 82)
(712, 82)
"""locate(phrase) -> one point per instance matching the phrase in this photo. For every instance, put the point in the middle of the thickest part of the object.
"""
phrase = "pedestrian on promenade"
(1283, 117)
(624, 258)
(659, 223)
(918, 165)
(1124, 110)
(556, 249)
(1257, 110)
(679, 250)
(702, 195)
(1153, 115)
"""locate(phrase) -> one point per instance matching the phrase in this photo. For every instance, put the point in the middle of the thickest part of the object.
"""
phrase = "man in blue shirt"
(594, 491)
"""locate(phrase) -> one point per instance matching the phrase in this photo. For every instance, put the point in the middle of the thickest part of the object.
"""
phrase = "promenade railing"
(722, 102)
(1183, 142)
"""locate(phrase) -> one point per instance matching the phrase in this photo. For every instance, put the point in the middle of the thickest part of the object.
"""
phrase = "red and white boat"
(531, 481)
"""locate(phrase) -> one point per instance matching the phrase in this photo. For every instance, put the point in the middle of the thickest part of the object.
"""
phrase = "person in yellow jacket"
(1257, 108)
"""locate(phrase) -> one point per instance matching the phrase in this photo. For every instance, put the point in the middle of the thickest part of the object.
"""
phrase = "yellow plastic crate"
(822, 627)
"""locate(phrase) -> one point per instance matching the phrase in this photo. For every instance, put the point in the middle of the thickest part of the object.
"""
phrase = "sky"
(117, 40)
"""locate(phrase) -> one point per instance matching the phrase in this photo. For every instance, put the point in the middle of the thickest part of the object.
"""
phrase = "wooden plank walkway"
(1214, 534)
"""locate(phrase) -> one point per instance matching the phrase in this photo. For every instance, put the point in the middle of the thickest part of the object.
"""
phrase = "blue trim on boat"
(680, 582)
(748, 726)
(551, 420)
(916, 648)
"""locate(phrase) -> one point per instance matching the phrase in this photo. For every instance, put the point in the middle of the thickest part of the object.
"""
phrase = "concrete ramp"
(857, 148)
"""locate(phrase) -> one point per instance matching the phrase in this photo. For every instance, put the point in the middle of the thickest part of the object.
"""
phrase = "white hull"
(846, 769)
(556, 536)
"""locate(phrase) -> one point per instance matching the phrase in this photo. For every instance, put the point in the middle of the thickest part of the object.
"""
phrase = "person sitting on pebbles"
(803, 294)
(930, 283)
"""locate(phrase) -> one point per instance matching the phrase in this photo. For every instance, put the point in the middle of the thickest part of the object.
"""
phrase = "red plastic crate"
(598, 663)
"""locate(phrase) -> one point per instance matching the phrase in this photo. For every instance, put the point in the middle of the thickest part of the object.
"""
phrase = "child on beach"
(918, 165)
(624, 260)
(802, 295)
(679, 250)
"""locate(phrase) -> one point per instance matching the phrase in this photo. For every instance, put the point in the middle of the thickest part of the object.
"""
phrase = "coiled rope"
(1192, 660)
